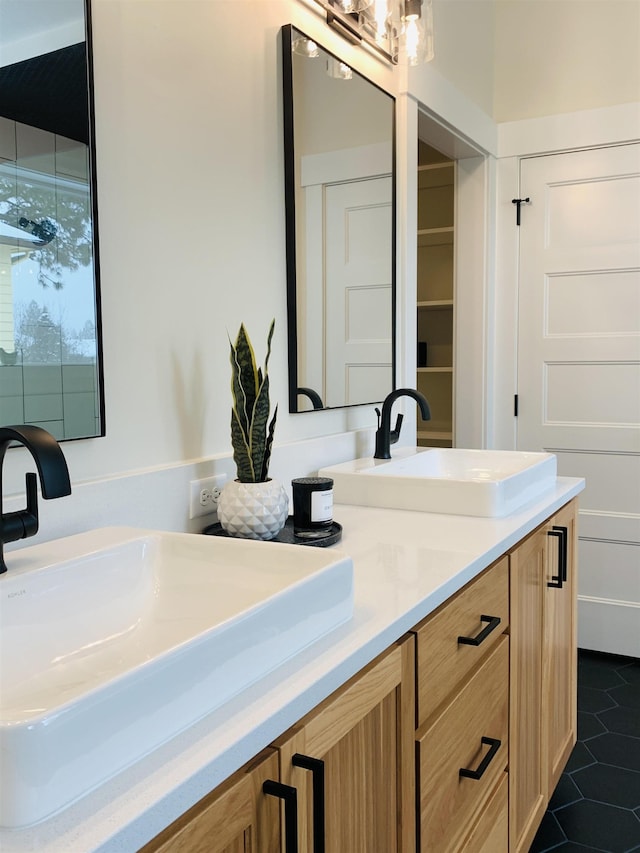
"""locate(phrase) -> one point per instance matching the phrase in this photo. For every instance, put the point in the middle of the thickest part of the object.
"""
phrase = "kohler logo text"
(16, 593)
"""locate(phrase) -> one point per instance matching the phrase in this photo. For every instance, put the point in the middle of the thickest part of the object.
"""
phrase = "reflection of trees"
(68, 210)
(40, 340)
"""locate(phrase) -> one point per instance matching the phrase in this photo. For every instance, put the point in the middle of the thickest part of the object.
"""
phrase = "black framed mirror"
(339, 145)
(50, 333)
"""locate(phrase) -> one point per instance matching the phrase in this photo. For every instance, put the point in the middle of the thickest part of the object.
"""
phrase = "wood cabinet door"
(237, 817)
(560, 647)
(527, 767)
(363, 734)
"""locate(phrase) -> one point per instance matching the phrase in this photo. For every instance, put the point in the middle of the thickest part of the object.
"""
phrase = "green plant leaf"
(269, 336)
(238, 394)
(244, 385)
(258, 435)
(241, 451)
(267, 452)
(248, 361)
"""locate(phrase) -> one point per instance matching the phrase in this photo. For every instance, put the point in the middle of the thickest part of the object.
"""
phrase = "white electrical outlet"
(205, 494)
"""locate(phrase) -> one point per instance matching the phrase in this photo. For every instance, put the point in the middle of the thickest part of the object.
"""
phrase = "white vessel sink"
(449, 480)
(114, 641)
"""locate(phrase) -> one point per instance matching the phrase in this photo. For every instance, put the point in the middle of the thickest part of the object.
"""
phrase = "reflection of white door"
(358, 293)
(579, 365)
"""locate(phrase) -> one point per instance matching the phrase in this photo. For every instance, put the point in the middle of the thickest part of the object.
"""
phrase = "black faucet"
(385, 436)
(54, 481)
(316, 399)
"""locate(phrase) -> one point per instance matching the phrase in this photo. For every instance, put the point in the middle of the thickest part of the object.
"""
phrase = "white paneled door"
(358, 231)
(579, 365)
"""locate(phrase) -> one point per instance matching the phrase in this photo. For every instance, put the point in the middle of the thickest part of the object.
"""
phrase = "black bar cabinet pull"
(290, 797)
(494, 743)
(564, 548)
(316, 766)
(557, 580)
(493, 621)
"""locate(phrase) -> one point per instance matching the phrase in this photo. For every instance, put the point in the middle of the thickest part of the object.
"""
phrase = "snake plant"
(250, 436)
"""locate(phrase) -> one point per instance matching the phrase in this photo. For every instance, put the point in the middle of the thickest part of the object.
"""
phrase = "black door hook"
(519, 202)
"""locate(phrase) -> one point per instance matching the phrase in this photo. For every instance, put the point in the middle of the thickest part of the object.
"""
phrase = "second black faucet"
(385, 436)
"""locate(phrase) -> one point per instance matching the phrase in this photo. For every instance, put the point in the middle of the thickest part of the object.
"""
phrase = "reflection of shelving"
(434, 437)
(435, 297)
(436, 303)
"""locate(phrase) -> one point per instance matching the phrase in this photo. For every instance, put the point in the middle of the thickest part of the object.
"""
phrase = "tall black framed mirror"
(50, 333)
(339, 141)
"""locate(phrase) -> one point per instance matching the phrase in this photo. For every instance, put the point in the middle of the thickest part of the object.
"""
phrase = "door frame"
(472, 276)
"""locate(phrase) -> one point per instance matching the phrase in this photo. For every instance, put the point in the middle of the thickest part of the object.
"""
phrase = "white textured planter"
(253, 510)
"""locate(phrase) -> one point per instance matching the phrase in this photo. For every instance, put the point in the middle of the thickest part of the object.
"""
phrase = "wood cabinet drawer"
(490, 833)
(442, 661)
(453, 741)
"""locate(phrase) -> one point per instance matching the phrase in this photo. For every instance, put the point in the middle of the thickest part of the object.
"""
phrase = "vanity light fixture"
(400, 30)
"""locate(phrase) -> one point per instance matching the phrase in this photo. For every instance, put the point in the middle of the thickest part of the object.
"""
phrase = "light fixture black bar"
(345, 29)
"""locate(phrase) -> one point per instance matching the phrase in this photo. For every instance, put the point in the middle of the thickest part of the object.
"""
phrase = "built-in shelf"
(434, 434)
(434, 167)
(434, 304)
(435, 175)
(435, 293)
(435, 236)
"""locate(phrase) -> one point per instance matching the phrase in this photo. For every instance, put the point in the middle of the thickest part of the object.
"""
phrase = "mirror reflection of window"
(339, 157)
(49, 324)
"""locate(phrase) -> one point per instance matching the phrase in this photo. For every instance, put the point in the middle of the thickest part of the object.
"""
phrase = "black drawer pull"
(316, 766)
(494, 743)
(290, 797)
(493, 621)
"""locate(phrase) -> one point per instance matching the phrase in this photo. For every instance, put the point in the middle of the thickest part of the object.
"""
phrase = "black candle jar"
(312, 506)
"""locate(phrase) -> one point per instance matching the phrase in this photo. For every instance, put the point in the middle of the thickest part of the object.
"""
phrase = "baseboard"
(609, 626)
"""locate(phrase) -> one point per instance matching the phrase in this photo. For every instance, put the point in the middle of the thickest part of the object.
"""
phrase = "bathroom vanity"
(460, 655)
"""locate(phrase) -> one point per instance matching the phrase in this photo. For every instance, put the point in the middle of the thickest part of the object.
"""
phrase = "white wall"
(191, 224)
(464, 48)
(559, 56)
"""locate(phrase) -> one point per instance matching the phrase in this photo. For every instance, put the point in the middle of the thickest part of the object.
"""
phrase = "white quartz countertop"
(405, 565)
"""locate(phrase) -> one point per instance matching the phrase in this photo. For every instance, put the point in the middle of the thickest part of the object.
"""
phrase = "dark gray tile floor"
(596, 805)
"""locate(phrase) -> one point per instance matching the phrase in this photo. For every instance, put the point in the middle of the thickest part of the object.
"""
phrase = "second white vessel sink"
(113, 641)
(489, 483)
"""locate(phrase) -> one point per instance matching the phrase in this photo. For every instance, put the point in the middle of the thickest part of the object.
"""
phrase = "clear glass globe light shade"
(349, 6)
(376, 18)
(338, 70)
(412, 35)
(304, 46)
